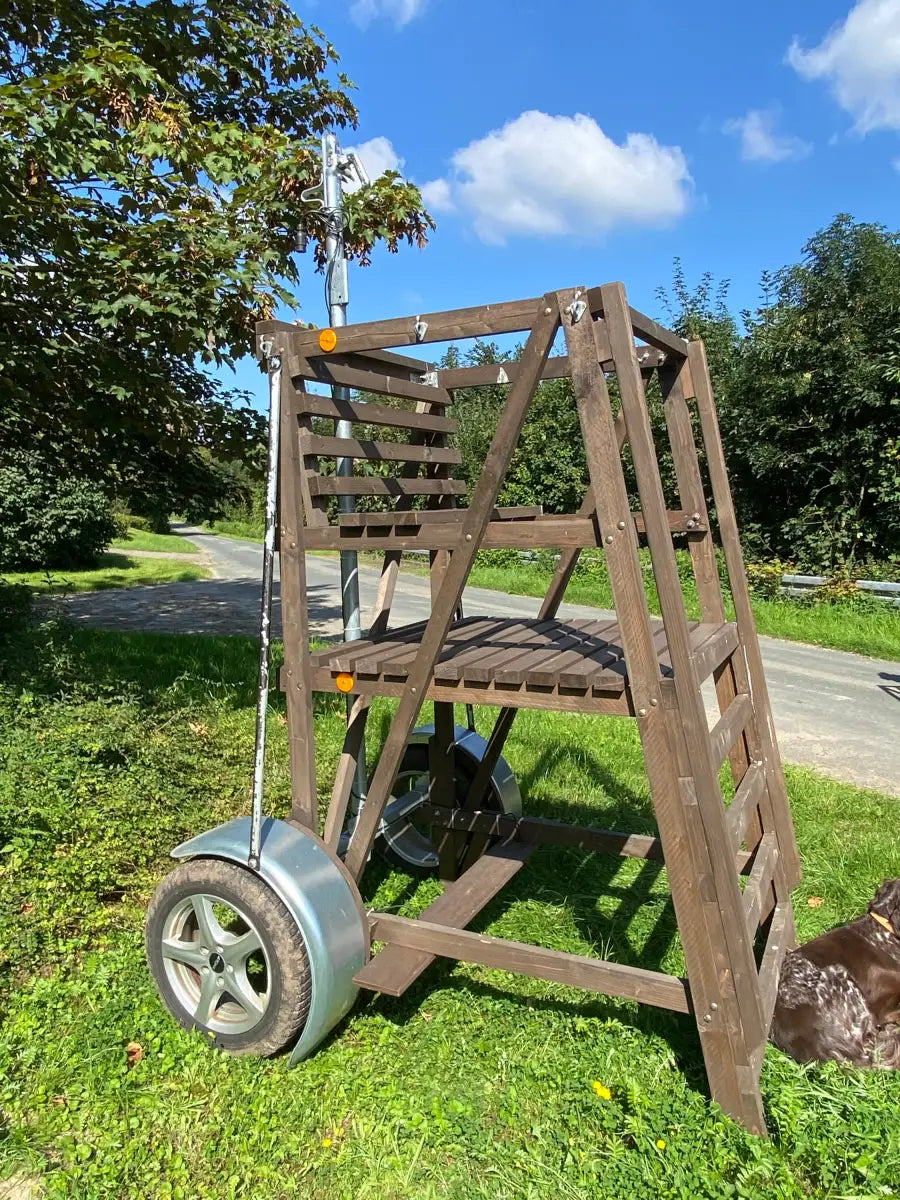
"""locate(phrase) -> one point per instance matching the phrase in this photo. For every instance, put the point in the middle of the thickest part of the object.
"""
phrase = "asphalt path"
(837, 712)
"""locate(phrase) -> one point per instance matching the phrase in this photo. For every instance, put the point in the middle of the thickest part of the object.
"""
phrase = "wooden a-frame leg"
(509, 427)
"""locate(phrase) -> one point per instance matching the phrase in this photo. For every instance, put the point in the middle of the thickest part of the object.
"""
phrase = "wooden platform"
(553, 662)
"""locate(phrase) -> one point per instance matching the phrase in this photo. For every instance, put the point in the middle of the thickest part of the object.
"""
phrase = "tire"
(255, 948)
(409, 846)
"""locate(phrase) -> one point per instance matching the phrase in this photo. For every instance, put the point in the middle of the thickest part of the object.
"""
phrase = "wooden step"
(729, 727)
(395, 968)
(335, 447)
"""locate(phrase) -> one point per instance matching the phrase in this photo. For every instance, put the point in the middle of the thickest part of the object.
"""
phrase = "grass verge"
(112, 571)
(142, 539)
(476, 1084)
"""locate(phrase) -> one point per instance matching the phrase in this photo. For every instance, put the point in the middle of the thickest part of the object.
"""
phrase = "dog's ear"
(887, 902)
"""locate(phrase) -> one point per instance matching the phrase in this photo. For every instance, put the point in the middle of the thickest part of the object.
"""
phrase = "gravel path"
(835, 711)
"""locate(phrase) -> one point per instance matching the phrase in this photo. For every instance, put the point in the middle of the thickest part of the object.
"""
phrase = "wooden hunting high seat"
(731, 857)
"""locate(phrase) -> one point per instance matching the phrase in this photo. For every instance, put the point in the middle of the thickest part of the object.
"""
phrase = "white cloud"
(401, 12)
(437, 196)
(860, 59)
(554, 176)
(377, 155)
(760, 142)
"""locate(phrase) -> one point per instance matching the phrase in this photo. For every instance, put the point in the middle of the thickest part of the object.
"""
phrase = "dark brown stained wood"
(362, 412)
(718, 474)
(331, 485)
(343, 780)
(679, 522)
(744, 802)
(619, 322)
(323, 370)
(377, 360)
(544, 664)
(435, 516)
(314, 508)
(712, 652)
(484, 500)
(729, 728)
(513, 316)
(543, 832)
(395, 968)
(286, 332)
(511, 534)
(759, 881)
(643, 327)
(335, 447)
(442, 791)
(613, 979)
(781, 938)
(297, 670)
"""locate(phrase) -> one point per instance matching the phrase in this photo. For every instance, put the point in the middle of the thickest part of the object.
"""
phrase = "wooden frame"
(730, 868)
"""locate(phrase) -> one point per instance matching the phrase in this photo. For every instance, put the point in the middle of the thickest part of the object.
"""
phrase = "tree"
(153, 159)
(813, 417)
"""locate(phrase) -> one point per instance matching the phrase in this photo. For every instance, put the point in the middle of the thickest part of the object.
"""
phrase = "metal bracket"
(420, 328)
(576, 310)
(429, 379)
(266, 346)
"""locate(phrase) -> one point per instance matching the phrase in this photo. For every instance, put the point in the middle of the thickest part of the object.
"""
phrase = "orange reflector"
(344, 682)
(327, 340)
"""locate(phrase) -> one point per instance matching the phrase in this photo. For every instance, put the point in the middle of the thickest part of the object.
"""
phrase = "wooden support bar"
(781, 939)
(395, 968)
(643, 326)
(434, 516)
(343, 781)
(710, 655)
(484, 499)
(378, 360)
(728, 528)
(573, 970)
(514, 316)
(759, 881)
(729, 728)
(335, 447)
(324, 370)
(744, 802)
(447, 535)
(362, 412)
(359, 485)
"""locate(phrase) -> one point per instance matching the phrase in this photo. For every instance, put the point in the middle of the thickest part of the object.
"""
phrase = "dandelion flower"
(660, 1144)
(327, 1143)
(602, 1090)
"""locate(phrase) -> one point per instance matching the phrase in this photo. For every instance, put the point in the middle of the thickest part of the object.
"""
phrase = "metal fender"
(319, 894)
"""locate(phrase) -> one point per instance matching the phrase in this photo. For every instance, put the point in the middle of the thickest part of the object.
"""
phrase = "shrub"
(47, 521)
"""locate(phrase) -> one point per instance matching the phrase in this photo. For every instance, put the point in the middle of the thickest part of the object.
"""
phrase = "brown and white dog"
(839, 995)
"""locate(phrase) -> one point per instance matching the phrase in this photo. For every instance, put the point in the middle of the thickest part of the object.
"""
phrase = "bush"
(50, 522)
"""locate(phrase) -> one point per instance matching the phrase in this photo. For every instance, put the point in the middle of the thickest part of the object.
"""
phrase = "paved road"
(834, 711)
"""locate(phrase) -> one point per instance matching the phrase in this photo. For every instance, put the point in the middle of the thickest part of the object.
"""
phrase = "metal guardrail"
(803, 585)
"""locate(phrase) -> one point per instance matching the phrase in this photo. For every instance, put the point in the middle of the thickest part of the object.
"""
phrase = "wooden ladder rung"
(761, 875)
(729, 727)
(335, 447)
(717, 648)
(336, 409)
(369, 485)
(395, 968)
(434, 516)
(746, 798)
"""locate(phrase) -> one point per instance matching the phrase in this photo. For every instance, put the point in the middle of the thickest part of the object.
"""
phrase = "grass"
(246, 531)
(476, 1084)
(112, 571)
(142, 539)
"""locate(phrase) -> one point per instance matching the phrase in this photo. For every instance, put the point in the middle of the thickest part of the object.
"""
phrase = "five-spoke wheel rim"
(216, 963)
(409, 841)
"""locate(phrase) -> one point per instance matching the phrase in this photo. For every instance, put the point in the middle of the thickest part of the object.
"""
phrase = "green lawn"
(476, 1084)
(141, 539)
(112, 571)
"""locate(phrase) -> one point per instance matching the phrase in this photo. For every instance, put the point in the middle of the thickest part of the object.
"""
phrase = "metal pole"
(265, 618)
(338, 295)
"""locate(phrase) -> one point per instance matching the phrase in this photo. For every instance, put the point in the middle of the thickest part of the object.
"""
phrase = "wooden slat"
(363, 412)
(338, 374)
(352, 485)
(395, 968)
(435, 516)
(378, 360)
(778, 943)
(514, 316)
(574, 970)
(544, 832)
(729, 728)
(441, 535)
(335, 447)
(715, 648)
(643, 326)
(744, 802)
(759, 881)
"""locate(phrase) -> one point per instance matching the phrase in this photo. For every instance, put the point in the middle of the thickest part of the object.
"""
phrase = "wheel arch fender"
(320, 896)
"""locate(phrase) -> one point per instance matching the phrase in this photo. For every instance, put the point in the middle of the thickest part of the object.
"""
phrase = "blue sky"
(579, 142)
